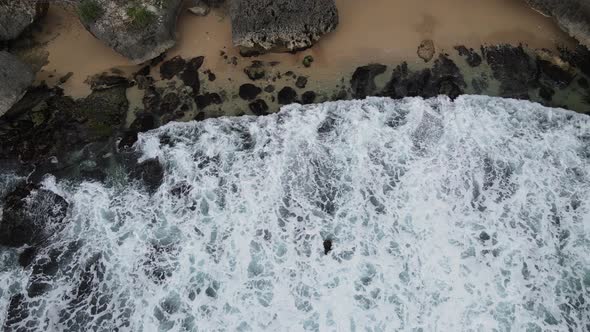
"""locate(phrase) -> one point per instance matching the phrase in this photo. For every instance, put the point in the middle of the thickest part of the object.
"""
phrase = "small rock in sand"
(426, 50)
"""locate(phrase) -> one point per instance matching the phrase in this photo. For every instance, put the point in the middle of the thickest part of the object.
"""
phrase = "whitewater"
(373, 215)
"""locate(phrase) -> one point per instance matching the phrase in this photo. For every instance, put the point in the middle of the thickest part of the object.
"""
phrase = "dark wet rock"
(46, 123)
(150, 173)
(142, 123)
(207, 99)
(27, 256)
(268, 25)
(327, 246)
(471, 56)
(578, 58)
(210, 76)
(444, 78)
(152, 100)
(30, 215)
(269, 88)
(554, 73)
(426, 50)
(287, 95)
(479, 84)
(363, 80)
(255, 71)
(301, 82)
(546, 93)
(308, 97)
(200, 116)
(514, 68)
(15, 78)
(170, 102)
(181, 189)
(583, 83)
(307, 61)
(66, 77)
(17, 16)
(140, 30)
(258, 107)
(573, 16)
(484, 236)
(172, 67)
(43, 269)
(249, 91)
(340, 95)
(190, 74)
(105, 81)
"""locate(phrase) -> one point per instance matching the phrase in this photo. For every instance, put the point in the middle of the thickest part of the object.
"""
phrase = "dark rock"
(308, 97)
(472, 57)
(190, 75)
(17, 312)
(105, 81)
(172, 67)
(301, 82)
(211, 76)
(142, 123)
(307, 61)
(258, 107)
(554, 74)
(479, 85)
(207, 99)
(363, 80)
(546, 93)
(150, 173)
(583, 83)
(265, 25)
(170, 102)
(514, 68)
(15, 78)
(255, 71)
(327, 246)
(30, 215)
(17, 16)
(27, 256)
(269, 88)
(484, 236)
(579, 58)
(138, 30)
(287, 95)
(152, 100)
(249, 91)
(200, 116)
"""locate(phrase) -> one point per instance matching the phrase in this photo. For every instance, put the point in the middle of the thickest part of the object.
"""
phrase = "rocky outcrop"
(139, 30)
(281, 25)
(15, 78)
(17, 16)
(572, 16)
(30, 215)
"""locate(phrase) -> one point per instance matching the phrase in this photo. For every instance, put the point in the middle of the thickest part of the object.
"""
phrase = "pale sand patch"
(387, 31)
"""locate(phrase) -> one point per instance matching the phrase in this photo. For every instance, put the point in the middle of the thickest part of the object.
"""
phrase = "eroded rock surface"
(282, 25)
(139, 30)
(17, 15)
(15, 78)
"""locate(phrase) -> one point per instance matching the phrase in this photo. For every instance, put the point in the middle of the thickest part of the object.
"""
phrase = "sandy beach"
(385, 31)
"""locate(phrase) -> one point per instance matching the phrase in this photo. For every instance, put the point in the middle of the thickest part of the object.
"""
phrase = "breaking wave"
(374, 215)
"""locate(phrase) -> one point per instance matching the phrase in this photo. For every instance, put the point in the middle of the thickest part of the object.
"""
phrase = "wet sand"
(387, 31)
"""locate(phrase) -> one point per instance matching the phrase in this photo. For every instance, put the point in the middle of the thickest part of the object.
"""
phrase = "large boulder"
(16, 16)
(281, 25)
(15, 78)
(572, 16)
(30, 215)
(140, 30)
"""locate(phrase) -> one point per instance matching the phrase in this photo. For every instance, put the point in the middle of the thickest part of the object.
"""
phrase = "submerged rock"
(282, 25)
(473, 59)
(16, 16)
(150, 173)
(15, 78)
(139, 30)
(258, 107)
(363, 80)
(573, 16)
(30, 215)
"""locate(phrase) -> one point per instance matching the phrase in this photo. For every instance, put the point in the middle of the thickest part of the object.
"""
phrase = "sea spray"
(440, 215)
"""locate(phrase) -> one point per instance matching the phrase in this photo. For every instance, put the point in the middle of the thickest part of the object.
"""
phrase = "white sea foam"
(444, 216)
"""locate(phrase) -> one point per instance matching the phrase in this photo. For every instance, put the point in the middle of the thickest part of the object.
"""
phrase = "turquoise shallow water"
(443, 216)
